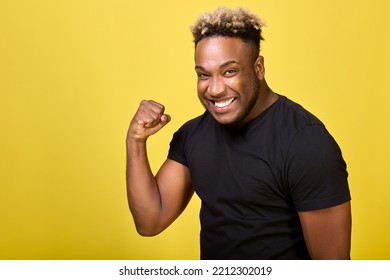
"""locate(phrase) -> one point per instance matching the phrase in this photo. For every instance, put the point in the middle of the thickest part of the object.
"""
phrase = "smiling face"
(230, 74)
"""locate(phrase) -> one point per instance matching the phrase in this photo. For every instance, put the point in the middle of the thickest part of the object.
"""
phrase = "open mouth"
(224, 103)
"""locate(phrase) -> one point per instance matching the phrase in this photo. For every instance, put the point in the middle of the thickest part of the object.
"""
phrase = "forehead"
(218, 50)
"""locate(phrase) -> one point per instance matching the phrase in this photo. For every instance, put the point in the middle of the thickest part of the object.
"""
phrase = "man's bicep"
(327, 232)
(316, 170)
(175, 188)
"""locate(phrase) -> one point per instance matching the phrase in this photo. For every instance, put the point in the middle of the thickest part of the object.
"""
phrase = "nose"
(216, 87)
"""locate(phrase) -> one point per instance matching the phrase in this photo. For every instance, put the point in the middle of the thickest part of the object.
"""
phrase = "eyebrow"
(221, 66)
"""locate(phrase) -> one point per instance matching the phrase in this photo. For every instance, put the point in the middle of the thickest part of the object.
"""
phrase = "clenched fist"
(148, 119)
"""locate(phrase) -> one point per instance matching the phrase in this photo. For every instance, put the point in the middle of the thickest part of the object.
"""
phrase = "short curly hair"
(225, 22)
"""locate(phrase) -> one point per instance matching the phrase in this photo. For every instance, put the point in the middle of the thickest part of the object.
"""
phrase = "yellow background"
(72, 74)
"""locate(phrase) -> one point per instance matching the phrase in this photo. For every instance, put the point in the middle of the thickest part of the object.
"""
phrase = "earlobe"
(259, 67)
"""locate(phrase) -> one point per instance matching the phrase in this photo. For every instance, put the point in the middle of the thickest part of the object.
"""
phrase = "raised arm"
(327, 232)
(154, 201)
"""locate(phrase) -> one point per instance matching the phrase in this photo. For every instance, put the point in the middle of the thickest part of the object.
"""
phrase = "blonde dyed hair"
(225, 22)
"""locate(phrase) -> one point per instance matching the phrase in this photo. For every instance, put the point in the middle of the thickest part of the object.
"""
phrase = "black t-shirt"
(253, 180)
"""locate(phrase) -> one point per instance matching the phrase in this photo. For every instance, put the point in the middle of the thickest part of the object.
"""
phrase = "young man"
(272, 180)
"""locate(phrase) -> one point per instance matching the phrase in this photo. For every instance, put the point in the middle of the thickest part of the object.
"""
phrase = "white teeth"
(224, 103)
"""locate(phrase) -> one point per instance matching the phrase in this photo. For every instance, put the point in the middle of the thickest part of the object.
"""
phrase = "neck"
(267, 97)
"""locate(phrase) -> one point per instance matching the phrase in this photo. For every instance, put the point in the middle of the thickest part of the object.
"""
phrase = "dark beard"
(251, 104)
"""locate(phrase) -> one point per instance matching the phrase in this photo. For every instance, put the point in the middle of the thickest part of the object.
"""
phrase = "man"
(272, 180)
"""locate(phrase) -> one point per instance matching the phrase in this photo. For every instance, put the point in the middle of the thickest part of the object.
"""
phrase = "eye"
(202, 76)
(231, 72)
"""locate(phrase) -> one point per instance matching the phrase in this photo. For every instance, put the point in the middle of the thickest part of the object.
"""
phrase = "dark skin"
(232, 87)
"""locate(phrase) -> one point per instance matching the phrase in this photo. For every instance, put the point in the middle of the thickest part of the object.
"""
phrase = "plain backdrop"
(72, 74)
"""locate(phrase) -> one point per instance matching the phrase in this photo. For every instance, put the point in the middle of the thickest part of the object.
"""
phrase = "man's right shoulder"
(194, 123)
(185, 136)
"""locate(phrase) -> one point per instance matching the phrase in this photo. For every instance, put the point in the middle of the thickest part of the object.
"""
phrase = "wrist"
(135, 137)
(135, 148)
(133, 141)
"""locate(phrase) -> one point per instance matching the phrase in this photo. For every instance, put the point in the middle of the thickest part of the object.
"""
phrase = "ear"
(259, 67)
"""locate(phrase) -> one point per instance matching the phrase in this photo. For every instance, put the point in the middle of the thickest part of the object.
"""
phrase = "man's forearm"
(142, 189)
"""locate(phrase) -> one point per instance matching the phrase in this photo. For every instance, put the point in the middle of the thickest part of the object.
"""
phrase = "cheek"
(201, 88)
(236, 85)
(246, 86)
(240, 83)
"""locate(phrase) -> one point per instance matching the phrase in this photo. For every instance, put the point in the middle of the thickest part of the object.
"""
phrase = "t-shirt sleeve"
(316, 170)
(176, 148)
